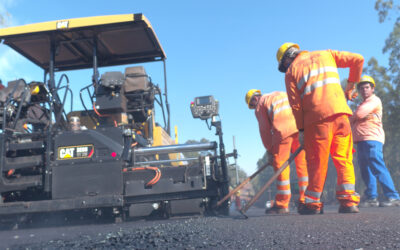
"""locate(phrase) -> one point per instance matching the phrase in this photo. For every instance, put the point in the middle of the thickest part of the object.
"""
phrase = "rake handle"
(272, 179)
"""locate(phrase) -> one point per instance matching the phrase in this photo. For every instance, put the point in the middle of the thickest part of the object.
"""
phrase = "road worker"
(238, 202)
(369, 136)
(280, 137)
(322, 117)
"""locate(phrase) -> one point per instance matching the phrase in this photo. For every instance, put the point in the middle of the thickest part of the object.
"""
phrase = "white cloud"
(14, 66)
(6, 18)
(9, 61)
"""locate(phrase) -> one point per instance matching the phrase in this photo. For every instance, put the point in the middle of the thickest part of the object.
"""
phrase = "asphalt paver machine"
(112, 155)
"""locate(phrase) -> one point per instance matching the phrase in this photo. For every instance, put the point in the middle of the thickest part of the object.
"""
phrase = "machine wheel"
(224, 208)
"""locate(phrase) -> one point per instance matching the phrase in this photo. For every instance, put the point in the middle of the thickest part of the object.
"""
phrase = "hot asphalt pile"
(373, 228)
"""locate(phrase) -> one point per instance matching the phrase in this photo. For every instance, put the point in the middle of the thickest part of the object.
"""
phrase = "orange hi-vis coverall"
(320, 109)
(280, 137)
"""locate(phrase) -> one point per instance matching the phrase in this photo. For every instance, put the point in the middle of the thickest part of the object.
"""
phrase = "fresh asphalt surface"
(372, 228)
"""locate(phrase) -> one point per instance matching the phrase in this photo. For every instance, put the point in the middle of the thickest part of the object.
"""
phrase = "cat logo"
(62, 25)
(75, 152)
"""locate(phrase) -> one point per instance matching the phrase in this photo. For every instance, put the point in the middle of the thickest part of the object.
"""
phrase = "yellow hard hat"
(281, 51)
(366, 78)
(250, 94)
(35, 90)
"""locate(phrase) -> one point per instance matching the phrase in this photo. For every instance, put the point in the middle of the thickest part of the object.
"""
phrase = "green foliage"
(261, 179)
(232, 175)
(383, 7)
(194, 154)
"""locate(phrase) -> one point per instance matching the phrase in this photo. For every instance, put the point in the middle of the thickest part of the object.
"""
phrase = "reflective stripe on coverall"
(281, 154)
(320, 108)
(332, 136)
(280, 137)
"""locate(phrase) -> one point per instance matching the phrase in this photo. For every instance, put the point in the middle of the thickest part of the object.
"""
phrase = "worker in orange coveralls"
(322, 117)
(238, 202)
(280, 137)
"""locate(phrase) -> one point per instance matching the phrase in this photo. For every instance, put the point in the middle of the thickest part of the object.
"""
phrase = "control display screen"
(204, 107)
(204, 100)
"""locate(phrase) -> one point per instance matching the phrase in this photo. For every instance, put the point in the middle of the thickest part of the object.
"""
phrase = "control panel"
(204, 107)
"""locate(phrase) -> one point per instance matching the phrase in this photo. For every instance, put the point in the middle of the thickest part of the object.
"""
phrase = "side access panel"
(173, 180)
(88, 163)
(93, 179)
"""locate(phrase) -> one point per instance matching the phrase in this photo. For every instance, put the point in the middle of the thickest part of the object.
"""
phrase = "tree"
(194, 154)
(261, 179)
(232, 175)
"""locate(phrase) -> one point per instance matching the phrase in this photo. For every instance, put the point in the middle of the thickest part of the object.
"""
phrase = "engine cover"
(88, 163)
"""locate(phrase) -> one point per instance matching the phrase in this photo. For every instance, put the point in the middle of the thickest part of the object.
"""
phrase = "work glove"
(351, 92)
(354, 95)
(301, 138)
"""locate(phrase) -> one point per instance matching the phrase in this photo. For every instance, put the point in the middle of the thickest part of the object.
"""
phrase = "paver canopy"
(120, 39)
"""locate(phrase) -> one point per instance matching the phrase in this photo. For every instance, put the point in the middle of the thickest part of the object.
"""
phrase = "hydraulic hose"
(152, 181)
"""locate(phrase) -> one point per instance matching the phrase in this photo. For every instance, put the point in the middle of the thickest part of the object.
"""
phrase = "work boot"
(300, 206)
(370, 203)
(390, 203)
(277, 210)
(348, 210)
(304, 210)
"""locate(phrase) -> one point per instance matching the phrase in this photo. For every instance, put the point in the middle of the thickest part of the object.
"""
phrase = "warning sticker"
(75, 152)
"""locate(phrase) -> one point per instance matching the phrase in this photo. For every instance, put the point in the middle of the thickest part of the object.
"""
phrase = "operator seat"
(16, 88)
(139, 93)
(15, 94)
(136, 79)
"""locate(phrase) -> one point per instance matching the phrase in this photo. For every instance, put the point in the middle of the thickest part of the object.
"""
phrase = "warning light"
(91, 153)
(113, 154)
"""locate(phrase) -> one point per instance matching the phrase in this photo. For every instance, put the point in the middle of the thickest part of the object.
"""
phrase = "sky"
(215, 47)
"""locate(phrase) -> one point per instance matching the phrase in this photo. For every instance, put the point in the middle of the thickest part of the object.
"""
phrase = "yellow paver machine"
(111, 156)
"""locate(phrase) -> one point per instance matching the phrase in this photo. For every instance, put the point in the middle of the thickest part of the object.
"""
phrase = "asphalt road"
(372, 228)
